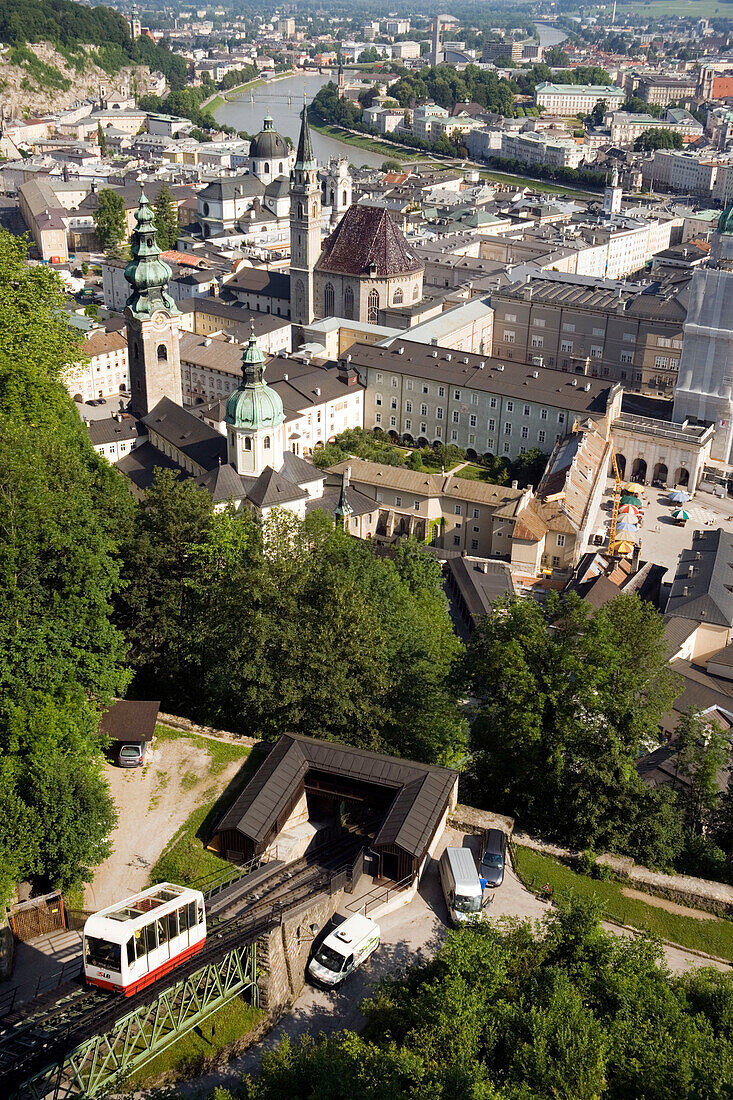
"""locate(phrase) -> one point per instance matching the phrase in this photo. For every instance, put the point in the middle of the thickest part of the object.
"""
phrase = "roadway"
(409, 934)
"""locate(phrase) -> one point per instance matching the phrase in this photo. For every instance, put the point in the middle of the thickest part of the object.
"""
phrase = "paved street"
(407, 934)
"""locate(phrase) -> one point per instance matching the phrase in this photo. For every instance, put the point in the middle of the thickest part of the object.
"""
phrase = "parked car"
(461, 886)
(494, 858)
(132, 754)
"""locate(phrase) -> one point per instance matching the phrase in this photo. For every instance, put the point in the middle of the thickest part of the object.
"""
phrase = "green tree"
(101, 140)
(166, 219)
(109, 219)
(508, 1011)
(660, 138)
(62, 509)
(598, 112)
(567, 700)
(702, 753)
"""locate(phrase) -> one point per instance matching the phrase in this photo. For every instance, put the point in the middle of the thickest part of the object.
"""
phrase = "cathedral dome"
(268, 144)
(254, 405)
(725, 221)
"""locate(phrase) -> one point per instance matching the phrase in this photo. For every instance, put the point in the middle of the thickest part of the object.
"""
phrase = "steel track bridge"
(103, 1060)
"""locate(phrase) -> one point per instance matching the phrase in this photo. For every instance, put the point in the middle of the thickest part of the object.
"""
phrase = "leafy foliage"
(166, 219)
(567, 701)
(286, 629)
(658, 138)
(109, 219)
(61, 507)
(511, 1012)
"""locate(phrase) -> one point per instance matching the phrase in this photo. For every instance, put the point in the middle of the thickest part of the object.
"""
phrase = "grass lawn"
(713, 936)
(185, 859)
(371, 145)
(218, 101)
(472, 472)
(188, 1054)
(538, 185)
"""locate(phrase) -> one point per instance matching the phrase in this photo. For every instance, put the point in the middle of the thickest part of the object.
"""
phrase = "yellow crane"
(616, 502)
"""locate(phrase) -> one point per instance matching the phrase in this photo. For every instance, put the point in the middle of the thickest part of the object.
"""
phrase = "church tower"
(153, 320)
(254, 418)
(612, 195)
(305, 227)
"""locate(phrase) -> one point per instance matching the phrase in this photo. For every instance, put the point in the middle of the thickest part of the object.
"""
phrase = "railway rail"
(44, 1034)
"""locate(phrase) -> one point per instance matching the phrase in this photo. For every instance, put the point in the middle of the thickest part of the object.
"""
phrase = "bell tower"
(153, 320)
(305, 227)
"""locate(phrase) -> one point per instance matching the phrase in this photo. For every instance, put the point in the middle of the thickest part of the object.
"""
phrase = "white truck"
(464, 895)
(343, 950)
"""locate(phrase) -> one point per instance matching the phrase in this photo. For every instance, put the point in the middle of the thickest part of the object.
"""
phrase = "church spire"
(146, 273)
(306, 158)
(343, 509)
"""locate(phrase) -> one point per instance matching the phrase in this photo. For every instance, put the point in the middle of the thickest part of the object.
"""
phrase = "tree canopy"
(509, 1011)
(287, 628)
(658, 138)
(62, 508)
(109, 219)
(567, 700)
(166, 219)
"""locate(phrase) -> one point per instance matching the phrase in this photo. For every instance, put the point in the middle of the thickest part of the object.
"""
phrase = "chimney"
(515, 485)
(685, 591)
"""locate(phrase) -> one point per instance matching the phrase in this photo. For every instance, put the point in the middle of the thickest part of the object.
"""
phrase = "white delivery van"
(343, 950)
(461, 886)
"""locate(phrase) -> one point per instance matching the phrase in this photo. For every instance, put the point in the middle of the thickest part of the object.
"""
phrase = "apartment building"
(319, 402)
(577, 99)
(663, 90)
(531, 147)
(105, 370)
(426, 121)
(418, 392)
(627, 127)
(207, 316)
(602, 330)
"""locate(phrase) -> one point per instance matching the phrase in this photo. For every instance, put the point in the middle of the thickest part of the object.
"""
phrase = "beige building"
(601, 330)
(46, 218)
(105, 371)
(446, 511)
(660, 451)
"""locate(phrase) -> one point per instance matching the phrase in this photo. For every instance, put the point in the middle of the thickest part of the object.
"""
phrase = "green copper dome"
(146, 273)
(254, 405)
(725, 221)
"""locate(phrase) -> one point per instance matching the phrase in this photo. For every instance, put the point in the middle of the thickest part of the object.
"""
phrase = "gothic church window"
(328, 300)
(398, 297)
(349, 304)
(415, 293)
(373, 307)
(281, 168)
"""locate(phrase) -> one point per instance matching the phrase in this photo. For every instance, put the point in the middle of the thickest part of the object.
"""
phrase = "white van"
(343, 950)
(461, 886)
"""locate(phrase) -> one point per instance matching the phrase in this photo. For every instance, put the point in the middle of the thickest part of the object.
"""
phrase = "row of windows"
(473, 418)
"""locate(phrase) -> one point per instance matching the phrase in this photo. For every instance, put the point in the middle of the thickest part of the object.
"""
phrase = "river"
(283, 99)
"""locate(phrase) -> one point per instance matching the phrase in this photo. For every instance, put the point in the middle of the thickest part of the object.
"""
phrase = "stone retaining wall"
(699, 893)
(283, 953)
(185, 726)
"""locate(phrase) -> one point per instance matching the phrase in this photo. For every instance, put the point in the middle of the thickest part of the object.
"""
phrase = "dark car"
(494, 858)
(131, 754)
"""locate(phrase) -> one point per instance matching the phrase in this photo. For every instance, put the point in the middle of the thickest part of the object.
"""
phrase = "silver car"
(132, 754)
(493, 859)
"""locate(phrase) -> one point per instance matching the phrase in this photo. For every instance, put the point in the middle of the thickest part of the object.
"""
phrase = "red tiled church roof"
(367, 236)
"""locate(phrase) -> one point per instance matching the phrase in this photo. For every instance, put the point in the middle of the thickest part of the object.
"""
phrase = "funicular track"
(85, 1038)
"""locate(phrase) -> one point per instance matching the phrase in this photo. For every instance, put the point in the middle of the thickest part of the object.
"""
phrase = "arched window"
(206, 209)
(344, 199)
(162, 352)
(266, 442)
(280, 169)
(415, 292)
(349, 304)
(373, 307)
(299, 299)
(328, 300)
(399, 297)
(136, 348)
(248, 443)
(300, 209)
(315, 209)
(267, 167)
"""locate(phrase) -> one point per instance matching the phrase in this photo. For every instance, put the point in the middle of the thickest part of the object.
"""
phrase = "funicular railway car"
(130, 944)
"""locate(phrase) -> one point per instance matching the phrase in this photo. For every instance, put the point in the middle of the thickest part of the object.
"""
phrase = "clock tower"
(153, 320)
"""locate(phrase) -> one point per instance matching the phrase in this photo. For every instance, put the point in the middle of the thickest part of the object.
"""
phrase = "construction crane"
(612, 542)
